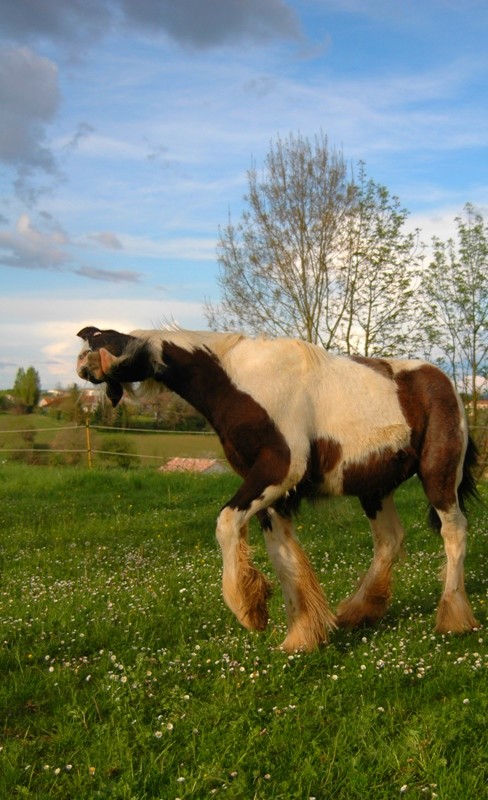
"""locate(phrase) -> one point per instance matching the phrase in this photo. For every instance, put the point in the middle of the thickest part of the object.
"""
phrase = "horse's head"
(113, 358)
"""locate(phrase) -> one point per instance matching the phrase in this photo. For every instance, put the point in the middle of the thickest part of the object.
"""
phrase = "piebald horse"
(296, 421)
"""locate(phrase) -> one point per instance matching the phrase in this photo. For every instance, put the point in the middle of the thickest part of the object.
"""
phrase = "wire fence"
(88, 451)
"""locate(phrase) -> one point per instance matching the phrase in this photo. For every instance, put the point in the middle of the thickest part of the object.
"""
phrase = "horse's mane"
(218, 343)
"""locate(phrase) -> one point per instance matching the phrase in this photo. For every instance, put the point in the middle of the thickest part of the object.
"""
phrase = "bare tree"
(276, 265)
(381, 267)
(317, 255)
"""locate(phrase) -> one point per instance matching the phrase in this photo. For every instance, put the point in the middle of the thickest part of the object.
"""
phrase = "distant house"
(51, 402)
(205, 466)
(89, 399)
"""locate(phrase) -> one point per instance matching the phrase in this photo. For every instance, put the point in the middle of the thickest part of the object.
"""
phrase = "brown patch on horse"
(325, 454)
(252, 443)
(380, 474)
(431, 408)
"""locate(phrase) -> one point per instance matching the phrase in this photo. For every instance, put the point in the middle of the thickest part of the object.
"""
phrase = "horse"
(296, 421)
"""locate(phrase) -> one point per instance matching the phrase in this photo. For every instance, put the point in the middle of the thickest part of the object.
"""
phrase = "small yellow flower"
(92, 770)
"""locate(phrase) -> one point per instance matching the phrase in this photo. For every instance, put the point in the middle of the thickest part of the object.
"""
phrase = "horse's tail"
(466, 489)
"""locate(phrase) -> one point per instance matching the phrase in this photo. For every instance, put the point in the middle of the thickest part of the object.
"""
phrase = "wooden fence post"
(88, 443)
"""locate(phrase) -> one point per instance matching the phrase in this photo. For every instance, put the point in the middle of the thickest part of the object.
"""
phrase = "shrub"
(71, 443)
(118, 451)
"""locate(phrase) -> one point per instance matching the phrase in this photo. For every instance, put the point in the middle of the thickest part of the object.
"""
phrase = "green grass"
(123, 675)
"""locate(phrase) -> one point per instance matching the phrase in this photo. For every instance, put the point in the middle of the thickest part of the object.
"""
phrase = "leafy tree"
(5, 401)
(27, 388)
(317, 254)
(456, 293)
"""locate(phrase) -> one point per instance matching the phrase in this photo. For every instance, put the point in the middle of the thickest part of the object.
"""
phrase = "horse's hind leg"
(370, 601)
(441, 469)
(454, 613)
(308, 614)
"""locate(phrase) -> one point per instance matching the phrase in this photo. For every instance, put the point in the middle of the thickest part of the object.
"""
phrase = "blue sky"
(127, 128)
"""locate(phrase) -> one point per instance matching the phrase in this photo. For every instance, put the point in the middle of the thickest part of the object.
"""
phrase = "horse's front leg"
(245, 589)
(308, 614)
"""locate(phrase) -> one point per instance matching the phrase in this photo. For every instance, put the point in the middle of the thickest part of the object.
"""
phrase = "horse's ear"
(85, 333)
(107, 360)
(114, 389)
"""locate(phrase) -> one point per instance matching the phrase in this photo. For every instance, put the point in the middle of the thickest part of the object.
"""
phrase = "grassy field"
(124, 676)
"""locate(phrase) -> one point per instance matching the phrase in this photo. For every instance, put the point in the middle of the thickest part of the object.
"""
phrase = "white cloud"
(107, 239)
(110, 147)
(44, 331)
(29, 248)
(193, 248)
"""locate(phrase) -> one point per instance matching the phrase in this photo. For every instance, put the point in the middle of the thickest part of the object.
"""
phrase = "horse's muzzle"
(89, 367)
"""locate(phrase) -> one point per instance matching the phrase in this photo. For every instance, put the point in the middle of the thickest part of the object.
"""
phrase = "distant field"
(125, 677)
(152, 447)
